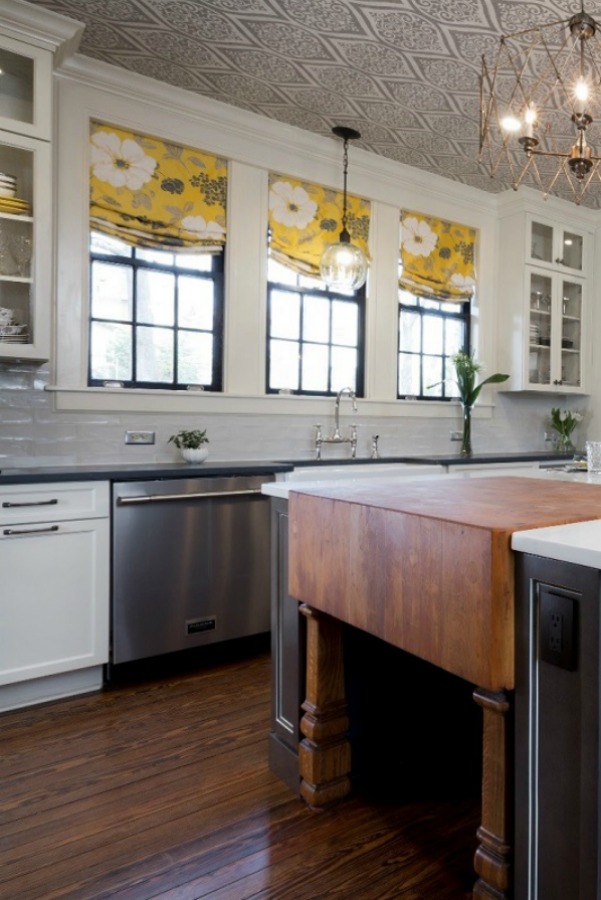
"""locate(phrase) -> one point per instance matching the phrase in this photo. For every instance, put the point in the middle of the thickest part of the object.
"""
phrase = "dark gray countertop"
(136, 472)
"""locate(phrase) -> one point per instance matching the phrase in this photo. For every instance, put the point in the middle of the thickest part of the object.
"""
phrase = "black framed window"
(315, 337)
(156, 317)
(430, 333)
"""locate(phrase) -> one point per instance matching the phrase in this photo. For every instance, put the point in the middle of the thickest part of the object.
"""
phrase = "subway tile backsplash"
(31, 433)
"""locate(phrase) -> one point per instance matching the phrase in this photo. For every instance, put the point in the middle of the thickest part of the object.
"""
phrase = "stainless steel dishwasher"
(190, 563)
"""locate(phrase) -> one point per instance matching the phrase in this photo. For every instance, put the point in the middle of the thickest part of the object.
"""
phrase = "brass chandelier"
(540, 116)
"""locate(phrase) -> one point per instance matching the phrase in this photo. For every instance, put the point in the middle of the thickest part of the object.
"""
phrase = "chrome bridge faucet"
(336, 437)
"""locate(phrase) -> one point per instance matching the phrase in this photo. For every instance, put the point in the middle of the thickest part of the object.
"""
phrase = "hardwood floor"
(160, 788)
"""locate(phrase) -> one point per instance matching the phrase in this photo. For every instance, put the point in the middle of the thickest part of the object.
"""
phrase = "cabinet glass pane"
(539, 359)
(571, 333)
(16, 245)
(16, 86)
(571, 250)
(541, 242)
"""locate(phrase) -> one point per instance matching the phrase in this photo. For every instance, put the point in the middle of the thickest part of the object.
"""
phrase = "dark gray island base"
(557, 752)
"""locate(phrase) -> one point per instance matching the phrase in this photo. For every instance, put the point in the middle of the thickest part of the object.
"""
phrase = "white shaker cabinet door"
(54, 598)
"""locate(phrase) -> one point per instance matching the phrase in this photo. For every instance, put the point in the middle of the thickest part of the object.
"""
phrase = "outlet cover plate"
(139, 437)
(558, 626)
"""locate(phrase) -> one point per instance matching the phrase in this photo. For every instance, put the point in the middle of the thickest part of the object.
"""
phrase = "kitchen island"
(427, 567)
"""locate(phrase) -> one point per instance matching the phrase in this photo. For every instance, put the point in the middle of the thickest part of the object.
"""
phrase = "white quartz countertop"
(579, 543)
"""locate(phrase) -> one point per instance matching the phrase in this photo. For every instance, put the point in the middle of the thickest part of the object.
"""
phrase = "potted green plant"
(190, 442)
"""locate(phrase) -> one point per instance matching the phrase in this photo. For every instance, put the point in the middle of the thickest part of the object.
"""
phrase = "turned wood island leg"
(325, 750)
(492, 858)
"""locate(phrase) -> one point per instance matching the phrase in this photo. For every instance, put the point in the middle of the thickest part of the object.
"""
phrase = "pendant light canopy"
(344, 266)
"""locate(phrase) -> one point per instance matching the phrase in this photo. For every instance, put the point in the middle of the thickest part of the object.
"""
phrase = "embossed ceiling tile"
(301, 118)
(181, 49)
(331, 16)
(249, 90)
(290, 40)
(374, 58)
(326, 102)
(469, 105)
(450, 12)
(403, 154)
(428, 143)
(471, 46)
(162, 70)
(106, 37)
(389, 114)
(517, 16)
(344, 79)
(265, 65)
(455, 127)
(458, 165)
(455, 76)
(236, 7)
(418, 96)
(406, 30)
(200, 21)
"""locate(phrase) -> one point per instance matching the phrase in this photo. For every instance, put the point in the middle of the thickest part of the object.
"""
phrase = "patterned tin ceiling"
(405, 73)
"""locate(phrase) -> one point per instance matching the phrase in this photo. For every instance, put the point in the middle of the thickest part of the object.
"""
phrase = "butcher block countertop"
(427, 565)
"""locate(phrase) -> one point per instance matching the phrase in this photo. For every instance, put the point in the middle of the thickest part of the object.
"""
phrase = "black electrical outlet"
(557, 633)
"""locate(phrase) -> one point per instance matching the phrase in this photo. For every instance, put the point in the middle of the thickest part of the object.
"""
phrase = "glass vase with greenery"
(564, 421)
(466, 369)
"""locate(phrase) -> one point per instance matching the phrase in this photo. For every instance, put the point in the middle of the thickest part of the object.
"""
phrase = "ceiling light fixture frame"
(540, 75)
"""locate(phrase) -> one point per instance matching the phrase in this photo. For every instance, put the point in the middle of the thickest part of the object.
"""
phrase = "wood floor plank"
(160, 789)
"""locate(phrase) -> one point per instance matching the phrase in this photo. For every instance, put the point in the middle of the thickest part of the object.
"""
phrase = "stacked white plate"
(13, 334)
(8, 185)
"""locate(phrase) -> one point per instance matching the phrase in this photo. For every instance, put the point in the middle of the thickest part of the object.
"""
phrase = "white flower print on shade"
(417, 237)
(202, 228)
(121, 163)
(291, 205)
(463, 281)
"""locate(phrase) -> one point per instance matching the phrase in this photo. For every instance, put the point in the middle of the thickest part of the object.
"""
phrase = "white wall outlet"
(456, 435)
(139, 437)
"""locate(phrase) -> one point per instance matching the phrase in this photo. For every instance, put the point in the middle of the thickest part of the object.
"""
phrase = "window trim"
(465, 316)
(216, 276)
(359, 298)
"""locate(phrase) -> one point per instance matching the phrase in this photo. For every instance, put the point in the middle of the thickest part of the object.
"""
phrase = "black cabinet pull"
(8, 505)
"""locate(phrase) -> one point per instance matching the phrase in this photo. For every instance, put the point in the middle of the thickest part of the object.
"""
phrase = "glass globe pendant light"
(344, 266)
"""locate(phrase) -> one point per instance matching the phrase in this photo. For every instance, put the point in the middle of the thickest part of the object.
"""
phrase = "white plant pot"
(196, 455)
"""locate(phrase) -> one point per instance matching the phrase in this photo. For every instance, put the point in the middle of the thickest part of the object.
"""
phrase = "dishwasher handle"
(199, 495)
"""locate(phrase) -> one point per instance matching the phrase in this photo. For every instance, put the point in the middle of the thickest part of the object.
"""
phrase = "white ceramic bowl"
(7, 191)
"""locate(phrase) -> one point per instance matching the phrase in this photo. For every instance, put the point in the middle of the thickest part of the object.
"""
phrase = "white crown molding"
(528, 200)
(38, 26)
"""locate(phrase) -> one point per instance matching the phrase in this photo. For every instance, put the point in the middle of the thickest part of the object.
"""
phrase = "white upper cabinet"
(25, 89)
(544, 290)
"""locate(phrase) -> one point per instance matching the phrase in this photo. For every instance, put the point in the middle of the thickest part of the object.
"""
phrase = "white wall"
(71, 423)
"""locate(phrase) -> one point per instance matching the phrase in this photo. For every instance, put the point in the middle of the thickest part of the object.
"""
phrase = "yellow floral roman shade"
(437, 258)
(304, 217)
(151, 193)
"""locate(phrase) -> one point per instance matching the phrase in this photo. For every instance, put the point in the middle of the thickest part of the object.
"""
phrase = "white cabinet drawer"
(55, 502)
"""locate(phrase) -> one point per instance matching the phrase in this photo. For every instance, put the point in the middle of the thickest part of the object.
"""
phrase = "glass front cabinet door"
(555, 317)
(556, 246)
(25, 79)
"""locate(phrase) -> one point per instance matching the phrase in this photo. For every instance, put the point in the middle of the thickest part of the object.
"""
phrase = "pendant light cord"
(345, 237)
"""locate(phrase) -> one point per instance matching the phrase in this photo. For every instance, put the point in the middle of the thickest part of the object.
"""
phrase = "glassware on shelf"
(20, 247)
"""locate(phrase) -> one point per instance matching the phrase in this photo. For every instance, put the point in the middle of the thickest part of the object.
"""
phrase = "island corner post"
(429, 570)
